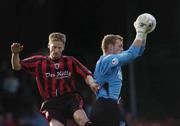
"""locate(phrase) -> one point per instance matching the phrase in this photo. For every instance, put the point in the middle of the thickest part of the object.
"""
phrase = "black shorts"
(62, 107)
(105, 112)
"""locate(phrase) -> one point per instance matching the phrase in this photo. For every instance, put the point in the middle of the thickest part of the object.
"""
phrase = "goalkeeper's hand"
(144, 24)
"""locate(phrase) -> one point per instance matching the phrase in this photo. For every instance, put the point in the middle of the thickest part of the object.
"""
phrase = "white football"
(147, 20)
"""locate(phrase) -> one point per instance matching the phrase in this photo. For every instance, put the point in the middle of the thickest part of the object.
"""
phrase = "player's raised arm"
(16, 48)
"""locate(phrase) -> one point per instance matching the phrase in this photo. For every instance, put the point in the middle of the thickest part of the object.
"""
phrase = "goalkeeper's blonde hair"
(109, 39)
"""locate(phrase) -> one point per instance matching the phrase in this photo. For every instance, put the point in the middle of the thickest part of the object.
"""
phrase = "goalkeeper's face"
(56, 48)
(118, 47)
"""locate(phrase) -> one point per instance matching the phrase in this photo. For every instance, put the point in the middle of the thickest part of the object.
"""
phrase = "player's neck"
(54, 58)
(107, 53)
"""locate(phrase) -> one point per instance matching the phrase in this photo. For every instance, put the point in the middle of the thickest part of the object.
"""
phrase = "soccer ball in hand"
(146, 22)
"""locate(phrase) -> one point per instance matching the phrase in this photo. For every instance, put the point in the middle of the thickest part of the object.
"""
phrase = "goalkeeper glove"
(144, 24)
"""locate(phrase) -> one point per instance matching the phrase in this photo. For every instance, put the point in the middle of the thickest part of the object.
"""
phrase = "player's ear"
(111, 47)
(63, 48)
(48, 46)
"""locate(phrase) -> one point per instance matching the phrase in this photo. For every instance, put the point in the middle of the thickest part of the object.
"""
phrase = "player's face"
(56, 48)
(118, 47)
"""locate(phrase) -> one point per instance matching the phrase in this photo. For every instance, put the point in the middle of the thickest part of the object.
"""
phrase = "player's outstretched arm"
(16, 48)
(92, 84)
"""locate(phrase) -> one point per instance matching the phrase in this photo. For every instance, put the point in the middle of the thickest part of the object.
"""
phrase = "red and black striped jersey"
(55, 78)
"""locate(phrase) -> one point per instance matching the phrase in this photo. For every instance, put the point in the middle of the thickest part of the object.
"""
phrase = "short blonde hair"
(109, 39)
(57, 36)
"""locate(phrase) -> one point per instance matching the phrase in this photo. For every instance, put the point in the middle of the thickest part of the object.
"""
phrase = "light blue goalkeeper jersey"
(108, 72)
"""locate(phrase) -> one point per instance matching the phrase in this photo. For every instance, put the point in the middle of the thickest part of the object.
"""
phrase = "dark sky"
(85, 22)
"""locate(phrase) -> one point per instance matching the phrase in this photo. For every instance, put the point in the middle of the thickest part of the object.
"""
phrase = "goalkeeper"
(108, 74)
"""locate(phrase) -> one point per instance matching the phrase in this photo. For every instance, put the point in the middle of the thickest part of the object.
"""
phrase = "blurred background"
(150, 93)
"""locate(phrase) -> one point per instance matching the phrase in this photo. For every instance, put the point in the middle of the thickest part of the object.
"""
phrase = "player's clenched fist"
(16, 47)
